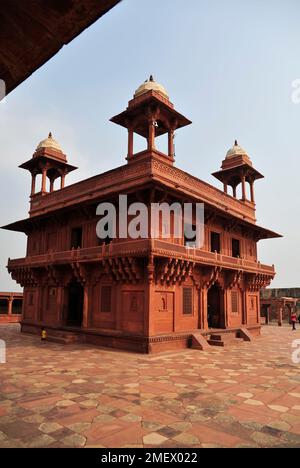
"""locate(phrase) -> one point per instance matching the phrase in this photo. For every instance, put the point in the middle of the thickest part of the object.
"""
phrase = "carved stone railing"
(141, 248)
(142, 171)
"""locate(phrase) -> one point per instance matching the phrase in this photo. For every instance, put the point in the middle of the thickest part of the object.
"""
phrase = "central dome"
(236, 150)
(151, 85)
(50, 143)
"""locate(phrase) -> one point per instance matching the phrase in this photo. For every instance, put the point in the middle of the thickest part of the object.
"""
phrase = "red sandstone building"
(11, 304)
(145, 294)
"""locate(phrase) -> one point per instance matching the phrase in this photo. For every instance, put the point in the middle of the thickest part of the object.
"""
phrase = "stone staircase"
(224, 339)
(219, 338)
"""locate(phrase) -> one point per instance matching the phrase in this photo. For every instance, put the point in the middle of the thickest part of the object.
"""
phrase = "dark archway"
(17, 306)
(214, 308)
(75, 304)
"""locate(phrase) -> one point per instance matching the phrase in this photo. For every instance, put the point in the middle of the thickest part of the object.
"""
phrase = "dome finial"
(236, 143)
(50, 135)
(151, 85)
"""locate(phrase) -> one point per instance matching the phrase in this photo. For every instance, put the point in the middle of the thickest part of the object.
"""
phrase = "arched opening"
(75, 304)
(215, 316)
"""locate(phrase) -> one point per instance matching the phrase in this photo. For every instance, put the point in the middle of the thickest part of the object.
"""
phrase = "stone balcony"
(141, 248)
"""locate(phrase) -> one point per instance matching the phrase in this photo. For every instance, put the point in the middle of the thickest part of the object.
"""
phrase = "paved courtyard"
(53, 395)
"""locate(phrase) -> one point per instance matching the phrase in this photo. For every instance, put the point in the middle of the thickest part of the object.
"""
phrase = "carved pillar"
(203, 305)
(252, 191)
(171, 143)
(33, 180)
(280, 308)
(244, 308)
(130, 143)
(244, 188)
(148, 319)
(224, 306)
(44, 176)
(62, 181)
(151, 137)
(234, 190)
(85, 319)
(9, 304)
(225, 187)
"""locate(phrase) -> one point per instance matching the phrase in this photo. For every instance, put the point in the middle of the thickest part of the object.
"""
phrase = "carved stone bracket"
(123, 269)
(80, 272)
(53, 275)
(24, 276)
(210, 277)
(173, 270)
(234, 279)
(255, 282)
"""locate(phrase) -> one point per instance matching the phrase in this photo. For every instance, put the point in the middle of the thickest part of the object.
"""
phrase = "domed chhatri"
(50, 143)
(236, 150)
(151, 85)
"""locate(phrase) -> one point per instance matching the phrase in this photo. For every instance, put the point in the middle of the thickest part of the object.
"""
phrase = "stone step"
(224, 340)
(216, 343)
(65, 338)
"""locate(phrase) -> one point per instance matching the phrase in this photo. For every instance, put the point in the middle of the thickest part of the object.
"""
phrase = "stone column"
(85, 319)
(224, 306)
(244, 188)
(33, 179)
(280, 308)
(130, 143)
(171, 143)
(252, 191)
(151, 137)
(148, 318)
(9, 304)
(244, 308)
(62, 181)
(44, 176)
(203, 308)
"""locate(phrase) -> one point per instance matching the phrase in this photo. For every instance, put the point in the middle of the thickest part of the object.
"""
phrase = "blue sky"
(227, 65)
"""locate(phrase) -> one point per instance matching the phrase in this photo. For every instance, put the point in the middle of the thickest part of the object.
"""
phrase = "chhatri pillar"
(49, 161)
(151, 114)
(237, 169)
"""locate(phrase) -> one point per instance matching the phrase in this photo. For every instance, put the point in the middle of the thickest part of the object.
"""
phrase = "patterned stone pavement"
(53, 395)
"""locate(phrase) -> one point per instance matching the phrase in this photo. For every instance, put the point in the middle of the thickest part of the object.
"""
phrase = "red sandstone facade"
(11, 304)
(145, 294)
